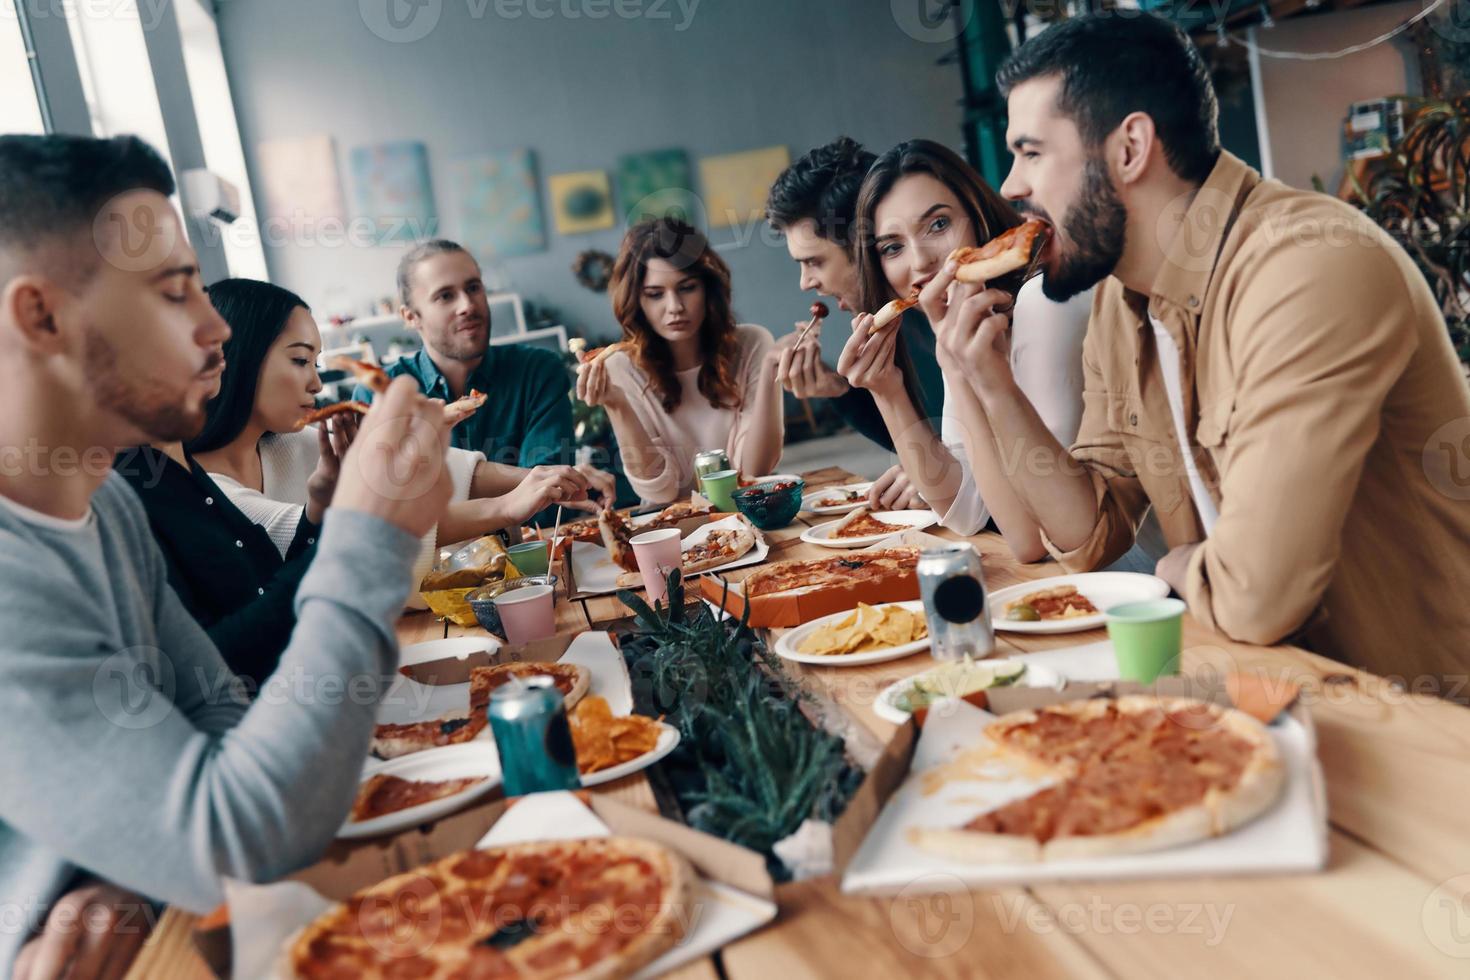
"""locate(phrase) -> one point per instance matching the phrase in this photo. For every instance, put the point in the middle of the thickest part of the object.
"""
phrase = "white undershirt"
(1204, 504)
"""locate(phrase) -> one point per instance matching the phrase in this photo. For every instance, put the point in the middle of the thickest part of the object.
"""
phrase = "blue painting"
(499, 204)
(391, 188)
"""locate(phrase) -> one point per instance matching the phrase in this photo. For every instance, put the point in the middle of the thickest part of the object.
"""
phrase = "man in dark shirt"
(527, 419)
(813, 204)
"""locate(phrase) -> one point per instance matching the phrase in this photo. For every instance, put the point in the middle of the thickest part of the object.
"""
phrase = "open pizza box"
(921, 781)
(794, 609)
(434, 688)
(735, 894)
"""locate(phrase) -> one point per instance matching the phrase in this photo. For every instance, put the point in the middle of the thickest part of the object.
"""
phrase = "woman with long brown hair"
(688, 377)
(918, 203)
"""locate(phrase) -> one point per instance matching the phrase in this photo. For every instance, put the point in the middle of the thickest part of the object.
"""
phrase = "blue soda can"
(529, 721)
(955, 603)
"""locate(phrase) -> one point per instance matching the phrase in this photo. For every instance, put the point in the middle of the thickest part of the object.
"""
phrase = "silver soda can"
(529, 721)
(955, 602)
(710, 461)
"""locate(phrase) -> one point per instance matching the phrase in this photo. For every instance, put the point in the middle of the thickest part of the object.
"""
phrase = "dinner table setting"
(1336, 849)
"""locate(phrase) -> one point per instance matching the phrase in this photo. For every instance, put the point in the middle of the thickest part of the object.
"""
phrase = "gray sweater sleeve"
(146, 766)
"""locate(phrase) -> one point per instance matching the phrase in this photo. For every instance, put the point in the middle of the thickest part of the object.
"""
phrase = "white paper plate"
(448, 762)
(596, 574)
(862, 488)
(790, 642)
(1102, 589)
(902, 520)
(886, 705)
(668, 739)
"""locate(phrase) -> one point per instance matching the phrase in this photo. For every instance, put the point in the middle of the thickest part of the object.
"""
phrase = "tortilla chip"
(866, 629)
(603, 740)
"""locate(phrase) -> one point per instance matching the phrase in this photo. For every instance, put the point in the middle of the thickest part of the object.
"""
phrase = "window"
(219, 133)
(117, 77)
(20, 109)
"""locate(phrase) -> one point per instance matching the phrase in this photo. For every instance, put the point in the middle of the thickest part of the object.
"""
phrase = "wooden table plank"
(1362, 917)
(823, 933)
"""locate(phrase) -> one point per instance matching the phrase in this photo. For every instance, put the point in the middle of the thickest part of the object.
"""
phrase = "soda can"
(529, 721)
(955, 603)
(710, 461)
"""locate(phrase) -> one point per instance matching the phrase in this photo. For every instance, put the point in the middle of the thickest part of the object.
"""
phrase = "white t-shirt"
(1204, 504)
(1046, 358)
(287, 460)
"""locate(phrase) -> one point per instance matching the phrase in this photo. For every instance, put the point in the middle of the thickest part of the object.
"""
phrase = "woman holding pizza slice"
(686, 377)
(253, 445)
(918, 204)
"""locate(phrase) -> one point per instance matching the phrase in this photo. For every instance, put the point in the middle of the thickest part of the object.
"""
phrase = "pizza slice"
(462, 408)
(382, 794)
(1060, 602)
(572, 680)
(328, 411)
(394, 740)
(862, 524)
(717, 548)
(599, 354)
(370, 376)
(616, 533)
(1011, 250)
(891, 311)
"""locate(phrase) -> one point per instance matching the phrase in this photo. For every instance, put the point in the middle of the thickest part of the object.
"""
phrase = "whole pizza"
(572, 680)
(599, 908)
(1131, 774)
(885, 566)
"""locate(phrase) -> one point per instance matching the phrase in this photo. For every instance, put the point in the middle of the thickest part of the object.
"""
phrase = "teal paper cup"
(529, 558)
(717, 488)
(1147, 637)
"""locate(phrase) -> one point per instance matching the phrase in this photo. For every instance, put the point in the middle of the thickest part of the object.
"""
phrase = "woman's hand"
(867, 358)
(334, 437)
(595, 386)
(969, 330)
(542, 487)
(894, 491)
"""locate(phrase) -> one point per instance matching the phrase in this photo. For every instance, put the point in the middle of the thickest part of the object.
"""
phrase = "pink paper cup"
(658, 554)
(526, 614)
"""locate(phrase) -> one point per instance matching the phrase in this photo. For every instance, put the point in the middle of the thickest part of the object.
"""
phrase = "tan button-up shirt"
(1329, 418)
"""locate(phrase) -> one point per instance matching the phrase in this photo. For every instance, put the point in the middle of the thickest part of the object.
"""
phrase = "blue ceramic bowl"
(770, 505)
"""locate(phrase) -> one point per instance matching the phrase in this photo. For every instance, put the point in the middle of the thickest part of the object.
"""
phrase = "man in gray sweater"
(127, 751)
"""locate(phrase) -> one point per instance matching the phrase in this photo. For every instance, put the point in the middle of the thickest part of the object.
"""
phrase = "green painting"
(654, 184)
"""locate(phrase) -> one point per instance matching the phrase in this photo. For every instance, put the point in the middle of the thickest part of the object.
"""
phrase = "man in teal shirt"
(527, 419)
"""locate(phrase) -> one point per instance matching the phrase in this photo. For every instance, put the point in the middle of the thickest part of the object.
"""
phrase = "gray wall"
(742, 74)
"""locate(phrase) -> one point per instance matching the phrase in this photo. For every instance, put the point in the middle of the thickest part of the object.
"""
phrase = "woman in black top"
(226, 570)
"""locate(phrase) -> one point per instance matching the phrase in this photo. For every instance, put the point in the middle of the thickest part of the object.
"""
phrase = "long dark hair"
(257, 313)
(989, 214)
(686, 249)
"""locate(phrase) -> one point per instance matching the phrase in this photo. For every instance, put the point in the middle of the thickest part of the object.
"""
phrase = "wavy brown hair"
(989, 214)
(684, 247)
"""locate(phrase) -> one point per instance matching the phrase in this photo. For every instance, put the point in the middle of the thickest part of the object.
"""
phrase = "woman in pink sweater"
(687, 376)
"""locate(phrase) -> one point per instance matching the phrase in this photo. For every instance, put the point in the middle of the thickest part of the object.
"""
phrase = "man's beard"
(1095, 226)
(150, 406)
(462, 347)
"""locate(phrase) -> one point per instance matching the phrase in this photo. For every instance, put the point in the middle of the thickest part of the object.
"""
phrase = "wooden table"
(1393, 901)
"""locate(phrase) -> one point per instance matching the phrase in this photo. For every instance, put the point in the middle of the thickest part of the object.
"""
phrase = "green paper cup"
(1147, 637)
(717, 488)
(529, 558)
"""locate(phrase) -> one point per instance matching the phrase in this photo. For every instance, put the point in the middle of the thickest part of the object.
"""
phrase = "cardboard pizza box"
(349, 866)
(457, 670)
(872, 856)
(793, 610)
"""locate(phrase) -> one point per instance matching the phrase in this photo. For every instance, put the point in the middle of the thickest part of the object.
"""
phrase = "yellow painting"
(580, 202)
(736, 184)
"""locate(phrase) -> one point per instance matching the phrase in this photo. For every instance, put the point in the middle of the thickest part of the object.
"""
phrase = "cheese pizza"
(1130, 774)
(600, 909)
(887, 566)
